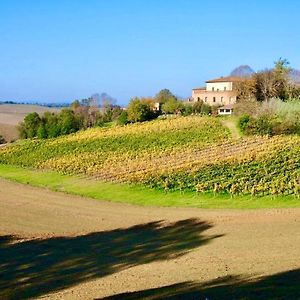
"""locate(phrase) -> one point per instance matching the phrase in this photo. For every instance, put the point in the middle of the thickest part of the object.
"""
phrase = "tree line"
(81, 115)
(269, 83)
(86, 113)
(268, 102)
(165, 102)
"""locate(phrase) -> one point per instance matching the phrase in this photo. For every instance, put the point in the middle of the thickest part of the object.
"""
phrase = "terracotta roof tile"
(225, 79)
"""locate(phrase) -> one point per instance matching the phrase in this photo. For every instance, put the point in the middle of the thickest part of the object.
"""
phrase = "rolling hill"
(242, 71)
(186, 153)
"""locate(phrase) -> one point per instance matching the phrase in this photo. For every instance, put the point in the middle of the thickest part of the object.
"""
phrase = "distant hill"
(295, 75)
(242, 71)
(37, 104)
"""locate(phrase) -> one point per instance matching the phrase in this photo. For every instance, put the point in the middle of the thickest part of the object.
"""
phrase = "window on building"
(198, 99)
(221, 110)
(221, 99)
(227, 110)
(214, 99)
(218, 90)
(224, 88)
(212, 88)
(205, 99)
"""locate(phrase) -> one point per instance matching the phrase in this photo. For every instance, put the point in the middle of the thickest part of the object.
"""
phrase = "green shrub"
(197, 107)
(188, 110)
(206, 109)
(123, 118)
(244, 122)
(263, 126)
(273, 117)
(138, 111)
(173, 106)
(41, 132)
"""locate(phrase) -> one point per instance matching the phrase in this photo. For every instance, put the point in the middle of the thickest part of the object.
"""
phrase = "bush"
(188, 110)
(138, 111)
(200, 107)
(67, 122)
(263, 126)
(260, 126)
(247, 107)
(197, 107)
(206, 109)
(243, 123)
(41, 132)
(28, 128)
(173, 106)
(123, 118)
(273, 117)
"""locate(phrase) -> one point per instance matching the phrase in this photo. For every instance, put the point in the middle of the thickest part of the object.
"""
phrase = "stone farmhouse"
(220, 91)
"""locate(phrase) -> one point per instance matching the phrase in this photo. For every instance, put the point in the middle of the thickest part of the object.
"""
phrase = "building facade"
(225, 110)
(220, 91)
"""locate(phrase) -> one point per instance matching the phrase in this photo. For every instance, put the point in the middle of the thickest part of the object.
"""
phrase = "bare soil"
(12, 114)
(59, 246)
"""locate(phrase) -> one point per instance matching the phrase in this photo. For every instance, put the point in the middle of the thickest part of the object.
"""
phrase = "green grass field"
(82, 186)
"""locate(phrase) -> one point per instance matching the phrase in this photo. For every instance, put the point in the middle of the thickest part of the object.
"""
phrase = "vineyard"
(186, 153)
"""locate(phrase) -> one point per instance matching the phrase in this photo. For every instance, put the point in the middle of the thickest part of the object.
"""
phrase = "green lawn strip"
(136, 194)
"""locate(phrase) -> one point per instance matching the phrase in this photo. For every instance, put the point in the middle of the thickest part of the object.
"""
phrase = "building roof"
(200, 88)
(229, 106)
(225, 79)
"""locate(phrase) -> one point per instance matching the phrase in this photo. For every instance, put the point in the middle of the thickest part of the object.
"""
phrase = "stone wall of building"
(214, 97)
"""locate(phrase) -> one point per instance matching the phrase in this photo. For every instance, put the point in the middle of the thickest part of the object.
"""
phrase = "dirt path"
(67, 247)
(230, 124)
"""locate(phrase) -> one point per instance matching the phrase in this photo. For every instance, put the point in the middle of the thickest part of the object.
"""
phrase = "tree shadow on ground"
(35, 267)
(284, 285)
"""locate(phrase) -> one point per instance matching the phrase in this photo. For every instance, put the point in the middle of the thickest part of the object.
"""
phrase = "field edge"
(137, 195)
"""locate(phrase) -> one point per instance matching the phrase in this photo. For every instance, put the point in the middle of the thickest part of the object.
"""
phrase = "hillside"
(242, 71)
(295, 75)
(187, 153)
(12, 114)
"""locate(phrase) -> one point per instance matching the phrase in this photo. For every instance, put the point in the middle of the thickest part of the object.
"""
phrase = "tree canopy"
(268, 84)
(164, 95)
(138, 111)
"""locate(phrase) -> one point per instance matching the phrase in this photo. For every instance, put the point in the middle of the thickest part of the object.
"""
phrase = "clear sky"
(61, 50)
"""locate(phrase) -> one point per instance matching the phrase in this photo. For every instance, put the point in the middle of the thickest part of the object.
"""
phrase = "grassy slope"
(138, 195)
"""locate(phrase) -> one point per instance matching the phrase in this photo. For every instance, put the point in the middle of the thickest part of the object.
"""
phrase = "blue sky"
(61, 50)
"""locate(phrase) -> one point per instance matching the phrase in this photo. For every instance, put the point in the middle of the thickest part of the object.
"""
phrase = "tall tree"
(28, 128)
(67, 122)
(164, 95)
(138, 111)
(281, 73)
(173, 106)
